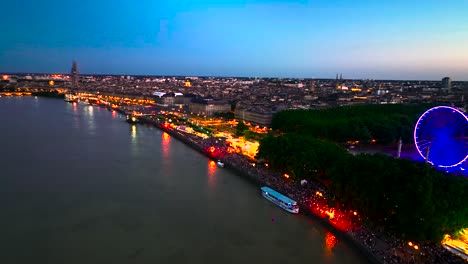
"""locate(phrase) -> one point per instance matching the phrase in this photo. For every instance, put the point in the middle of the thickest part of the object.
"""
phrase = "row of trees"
(410, 198)
(384, 123)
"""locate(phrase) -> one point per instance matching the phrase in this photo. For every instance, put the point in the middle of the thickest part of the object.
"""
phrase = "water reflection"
(114, 113)
(91, 111)
(211, 174)
(330, 242)
(76, 116)
(91, 119)
(166, 141)
(134, 134)
(133, 140)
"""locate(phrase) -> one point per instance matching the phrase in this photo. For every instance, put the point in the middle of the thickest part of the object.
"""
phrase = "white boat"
(220, 164)
(281, 200)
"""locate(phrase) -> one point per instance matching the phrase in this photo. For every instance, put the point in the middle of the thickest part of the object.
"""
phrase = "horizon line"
(221, 76)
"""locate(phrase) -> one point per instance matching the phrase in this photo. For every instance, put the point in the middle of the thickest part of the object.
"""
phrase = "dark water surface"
(80, 185)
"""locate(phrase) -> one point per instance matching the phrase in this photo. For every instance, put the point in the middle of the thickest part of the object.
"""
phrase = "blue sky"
(386, 39)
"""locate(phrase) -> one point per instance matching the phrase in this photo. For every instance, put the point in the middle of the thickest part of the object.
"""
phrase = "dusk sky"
(376, 39)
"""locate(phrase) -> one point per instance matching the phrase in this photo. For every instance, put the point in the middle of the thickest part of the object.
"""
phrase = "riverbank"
(242, 166)
(377, 245)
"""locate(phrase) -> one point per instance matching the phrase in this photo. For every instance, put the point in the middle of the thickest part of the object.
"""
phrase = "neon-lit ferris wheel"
(441, 136)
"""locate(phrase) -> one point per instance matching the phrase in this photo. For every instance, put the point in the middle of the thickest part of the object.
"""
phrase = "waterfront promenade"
(377, 245)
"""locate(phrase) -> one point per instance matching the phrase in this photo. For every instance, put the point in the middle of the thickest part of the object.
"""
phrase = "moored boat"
(281, 200)
(220, 164)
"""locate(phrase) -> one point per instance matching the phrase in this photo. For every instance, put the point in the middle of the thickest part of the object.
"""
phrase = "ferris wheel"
(441, 136)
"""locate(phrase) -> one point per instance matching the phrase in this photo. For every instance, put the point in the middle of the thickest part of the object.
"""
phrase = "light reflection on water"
(330, 242)
(133, 141)
(212, 174)
(134, 133)
(89, 111)
(166, 142)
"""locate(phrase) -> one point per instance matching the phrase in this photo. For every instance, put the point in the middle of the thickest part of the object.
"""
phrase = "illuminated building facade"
(255, 116)
(208, 107)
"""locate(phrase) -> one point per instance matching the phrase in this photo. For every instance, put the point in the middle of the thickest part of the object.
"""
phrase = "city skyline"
(421, 40)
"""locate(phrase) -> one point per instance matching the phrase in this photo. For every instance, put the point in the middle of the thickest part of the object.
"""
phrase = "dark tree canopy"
(410, 198)
(384, 123)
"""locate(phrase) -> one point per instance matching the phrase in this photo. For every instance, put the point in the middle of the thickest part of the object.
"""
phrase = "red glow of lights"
(286, 176)
(330, 240)
(212, 164)
(212, 149)
(166, 140)
(166, 137)
(212, 174)
(336, 217)
(330, 213)
(216, 152)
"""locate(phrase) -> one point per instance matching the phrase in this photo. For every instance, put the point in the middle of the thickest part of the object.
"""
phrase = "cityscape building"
(74, 75)
(446, 84)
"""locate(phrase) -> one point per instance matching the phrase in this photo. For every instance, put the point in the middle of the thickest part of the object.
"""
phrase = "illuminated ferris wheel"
(441, 136)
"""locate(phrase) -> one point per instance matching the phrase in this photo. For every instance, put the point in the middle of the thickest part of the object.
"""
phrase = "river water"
(80, 185)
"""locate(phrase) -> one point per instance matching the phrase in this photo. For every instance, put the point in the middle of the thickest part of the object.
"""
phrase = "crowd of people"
(385, 247)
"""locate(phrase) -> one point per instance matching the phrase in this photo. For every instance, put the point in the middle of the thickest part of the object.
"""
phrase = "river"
(80, 185)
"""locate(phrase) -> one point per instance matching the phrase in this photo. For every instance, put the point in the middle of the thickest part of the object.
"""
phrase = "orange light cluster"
(338, 218)
(5, 77)
(212, 164)
(330, 240)
(413, 245)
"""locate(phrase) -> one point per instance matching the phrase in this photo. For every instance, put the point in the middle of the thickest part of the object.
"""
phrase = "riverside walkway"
(373, 242)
